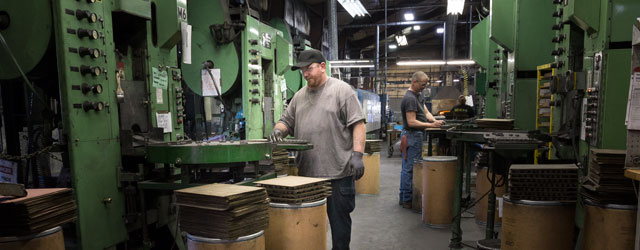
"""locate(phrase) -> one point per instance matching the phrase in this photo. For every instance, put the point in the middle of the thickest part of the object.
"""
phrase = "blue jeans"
(339, 206)
(413, 153)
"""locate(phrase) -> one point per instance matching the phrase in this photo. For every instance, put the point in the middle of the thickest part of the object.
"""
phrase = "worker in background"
(462, 109)
(327, 113)
(415, 118)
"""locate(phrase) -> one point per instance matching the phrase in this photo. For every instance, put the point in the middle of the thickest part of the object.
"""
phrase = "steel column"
(491, 207)
(333, 29)
(456, 231)
(467, 164)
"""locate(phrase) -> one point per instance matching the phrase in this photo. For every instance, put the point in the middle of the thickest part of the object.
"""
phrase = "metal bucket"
(490, 244)
(51, 239)
(537, 225)
(609, 226)
(297, 226)
(482, 187)
(438, 181)
(253, 241)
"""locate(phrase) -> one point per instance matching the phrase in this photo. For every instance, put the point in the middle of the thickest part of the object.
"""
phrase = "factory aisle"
(380, 223)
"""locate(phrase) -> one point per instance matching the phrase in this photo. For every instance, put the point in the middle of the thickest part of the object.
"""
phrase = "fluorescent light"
(349, 61)
(438, 81)
(353, 66)
(361, 8)
(393, 46)
(455, 7)
(408, 16)
(440, 30)
(461, 62)
(456, 80)
(354, 7)
(419, 63)
(402, 40)
(416, 27)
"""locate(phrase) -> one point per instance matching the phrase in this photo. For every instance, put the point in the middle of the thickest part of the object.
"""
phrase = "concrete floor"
(380, 223)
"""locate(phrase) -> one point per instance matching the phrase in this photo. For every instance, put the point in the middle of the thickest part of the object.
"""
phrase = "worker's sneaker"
(407, 205)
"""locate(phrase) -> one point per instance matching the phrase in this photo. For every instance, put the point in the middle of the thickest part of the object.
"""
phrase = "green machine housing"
(507, 46)
(113, 78)
(254, 69)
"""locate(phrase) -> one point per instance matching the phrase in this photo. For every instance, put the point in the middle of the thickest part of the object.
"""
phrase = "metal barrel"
(297, 226)
(253, 241)
(51, 239)
(609, 226)
(537, 224)
(438, 181)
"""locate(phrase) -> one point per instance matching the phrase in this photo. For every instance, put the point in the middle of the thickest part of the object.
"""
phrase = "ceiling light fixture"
(408, 16)
(352, 66)
(393, 46)
(461, 62)
(440, 30)
(354, 7)
(402, 40)
(420, 63)
(349, 61)
(455, 7)
(416, 27)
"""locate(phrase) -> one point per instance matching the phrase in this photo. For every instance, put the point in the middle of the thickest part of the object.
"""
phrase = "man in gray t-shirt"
(328, 114)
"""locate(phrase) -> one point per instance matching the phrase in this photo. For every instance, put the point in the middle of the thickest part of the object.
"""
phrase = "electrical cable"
(478, 199)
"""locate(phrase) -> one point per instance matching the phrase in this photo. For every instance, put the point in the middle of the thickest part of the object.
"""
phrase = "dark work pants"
(339, 206)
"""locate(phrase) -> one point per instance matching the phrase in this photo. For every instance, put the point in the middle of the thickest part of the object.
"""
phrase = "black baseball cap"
(307, 57)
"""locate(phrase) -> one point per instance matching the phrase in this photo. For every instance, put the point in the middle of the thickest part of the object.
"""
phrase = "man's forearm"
(419, 125)
(359, 136)
(430, 117)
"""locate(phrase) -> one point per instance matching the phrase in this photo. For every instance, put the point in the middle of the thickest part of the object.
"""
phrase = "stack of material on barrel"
(500, 124)
(40, 210)
(222, 211)
(543, 182)
(606, 182)
(296, 189)
(280, 158)
(373, 146)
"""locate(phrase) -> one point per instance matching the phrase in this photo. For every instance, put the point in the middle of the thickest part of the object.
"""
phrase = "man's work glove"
(357, 165)
(276, 136)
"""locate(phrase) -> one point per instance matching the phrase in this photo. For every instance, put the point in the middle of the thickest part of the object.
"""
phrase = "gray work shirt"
(412, 102)
(324, 118)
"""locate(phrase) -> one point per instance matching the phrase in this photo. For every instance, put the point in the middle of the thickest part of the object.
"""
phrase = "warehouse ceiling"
(357, 41)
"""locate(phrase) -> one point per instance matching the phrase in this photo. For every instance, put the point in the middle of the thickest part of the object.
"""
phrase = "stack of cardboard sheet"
(296, 189)
(372, 146)
(222, 211)
(500, 124)
(280, 159)
(543, 182)
(606, 182)
(40, 210)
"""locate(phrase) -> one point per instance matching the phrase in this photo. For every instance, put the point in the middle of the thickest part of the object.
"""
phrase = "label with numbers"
(164, 121)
